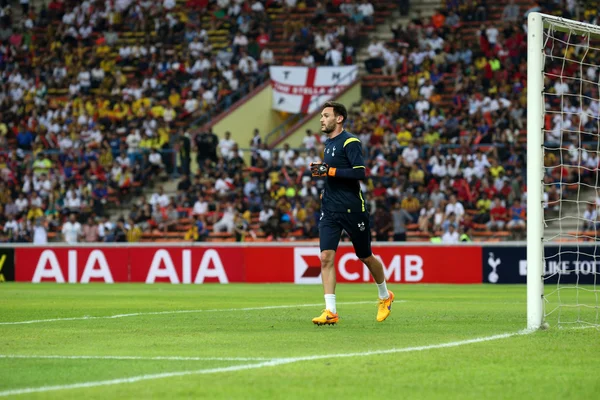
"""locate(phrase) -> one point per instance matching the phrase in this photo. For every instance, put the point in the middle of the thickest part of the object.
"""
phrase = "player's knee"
(327, 258)
(368, 260)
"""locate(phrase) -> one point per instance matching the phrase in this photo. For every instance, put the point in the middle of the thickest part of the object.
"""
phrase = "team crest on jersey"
(333, 152)
(361, 226)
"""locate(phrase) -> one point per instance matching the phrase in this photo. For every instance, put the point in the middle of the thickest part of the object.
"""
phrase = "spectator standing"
(382, 223)
(90, 231)
(40, 233)
(400, 218)
(71, 230)
(454, 206)
(589, 218)
(411, 204)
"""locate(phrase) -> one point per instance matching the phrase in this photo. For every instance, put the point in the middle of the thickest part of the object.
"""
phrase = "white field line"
(271, 363)
(84, 318)
(157, 358)
(580, 327)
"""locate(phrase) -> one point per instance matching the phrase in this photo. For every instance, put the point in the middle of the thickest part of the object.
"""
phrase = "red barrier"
(258, 264)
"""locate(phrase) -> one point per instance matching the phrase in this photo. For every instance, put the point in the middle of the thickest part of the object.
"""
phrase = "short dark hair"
(338, 109)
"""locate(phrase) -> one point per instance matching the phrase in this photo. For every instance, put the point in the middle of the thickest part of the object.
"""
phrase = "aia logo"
(307, 265)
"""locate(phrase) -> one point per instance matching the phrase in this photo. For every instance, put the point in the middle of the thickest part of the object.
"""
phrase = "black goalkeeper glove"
(320, 169)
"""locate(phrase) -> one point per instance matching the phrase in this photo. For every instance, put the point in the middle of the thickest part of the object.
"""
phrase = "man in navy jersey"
(343, 208)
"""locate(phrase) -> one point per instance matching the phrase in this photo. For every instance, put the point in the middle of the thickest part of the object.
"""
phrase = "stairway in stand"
(384, 32)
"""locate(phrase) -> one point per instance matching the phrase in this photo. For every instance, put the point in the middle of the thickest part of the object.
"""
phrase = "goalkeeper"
(343, 208)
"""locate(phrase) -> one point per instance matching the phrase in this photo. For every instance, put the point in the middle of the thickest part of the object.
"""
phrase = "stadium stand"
(469, 137)
(96, 89)
(91, 86)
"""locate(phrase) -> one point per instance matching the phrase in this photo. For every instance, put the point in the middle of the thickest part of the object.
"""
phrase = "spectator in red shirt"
(56, 9)
(197, 4)
(498, 216)
(463, 192)
(379, 191)
(438, 19)
(262, 39)
(488, 190)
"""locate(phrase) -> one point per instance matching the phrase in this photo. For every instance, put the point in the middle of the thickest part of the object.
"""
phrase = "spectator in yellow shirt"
(416, 175)
(404, 136)
(411, 204)
(107, 64)
(134, 233)
(431, 138)
(147, 142)
(158, 110)
(277, 191)
(495, 168)
(34, 213)
(175, 99)
(163, 135)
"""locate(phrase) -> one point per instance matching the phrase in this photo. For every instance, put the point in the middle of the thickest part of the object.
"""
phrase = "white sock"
(383, 292)
(330, 303)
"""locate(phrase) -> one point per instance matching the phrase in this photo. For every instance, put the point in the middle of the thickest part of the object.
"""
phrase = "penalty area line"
(139, 314)
(271, 363)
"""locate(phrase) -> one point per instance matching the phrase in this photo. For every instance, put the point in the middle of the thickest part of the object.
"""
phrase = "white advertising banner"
(304, 89)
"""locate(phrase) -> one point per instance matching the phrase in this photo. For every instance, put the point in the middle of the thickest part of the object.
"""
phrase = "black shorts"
(356, 225)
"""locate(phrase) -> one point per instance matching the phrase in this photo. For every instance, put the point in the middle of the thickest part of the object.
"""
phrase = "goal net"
(563, 133)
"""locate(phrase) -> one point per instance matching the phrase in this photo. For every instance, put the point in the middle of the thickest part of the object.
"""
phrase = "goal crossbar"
(568, 25)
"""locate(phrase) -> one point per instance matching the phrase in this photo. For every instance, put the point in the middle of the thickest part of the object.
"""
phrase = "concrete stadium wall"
(254, 113)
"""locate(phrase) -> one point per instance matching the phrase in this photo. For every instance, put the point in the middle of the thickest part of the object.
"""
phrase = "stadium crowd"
(444, 141)
(94, 92)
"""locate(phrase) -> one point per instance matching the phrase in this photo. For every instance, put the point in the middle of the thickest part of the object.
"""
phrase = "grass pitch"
(238, 352)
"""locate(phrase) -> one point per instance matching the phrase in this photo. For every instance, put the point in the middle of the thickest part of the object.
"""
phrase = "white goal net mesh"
(571, 199)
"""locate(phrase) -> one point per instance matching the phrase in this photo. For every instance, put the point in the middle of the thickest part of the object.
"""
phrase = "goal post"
(561, 121)
(535, 165)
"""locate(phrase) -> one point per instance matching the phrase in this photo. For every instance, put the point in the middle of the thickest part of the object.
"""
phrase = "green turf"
(547, 364)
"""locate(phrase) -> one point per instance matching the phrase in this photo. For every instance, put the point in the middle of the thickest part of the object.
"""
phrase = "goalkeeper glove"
(321, 169)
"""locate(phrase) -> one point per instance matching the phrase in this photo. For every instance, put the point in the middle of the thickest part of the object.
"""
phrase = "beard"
(328, 128)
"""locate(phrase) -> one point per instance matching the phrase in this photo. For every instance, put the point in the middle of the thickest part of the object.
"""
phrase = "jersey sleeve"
(353, 149)
(357, 170)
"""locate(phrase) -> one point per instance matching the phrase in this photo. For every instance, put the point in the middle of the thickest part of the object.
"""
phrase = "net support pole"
(535, 165)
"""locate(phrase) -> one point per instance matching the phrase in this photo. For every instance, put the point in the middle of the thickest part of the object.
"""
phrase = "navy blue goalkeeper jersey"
(340, 194)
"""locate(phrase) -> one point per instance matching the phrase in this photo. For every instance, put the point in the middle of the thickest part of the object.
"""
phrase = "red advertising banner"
(187, 264)
(72, 265)
(402, 264)
(256, 264)
(270, 264)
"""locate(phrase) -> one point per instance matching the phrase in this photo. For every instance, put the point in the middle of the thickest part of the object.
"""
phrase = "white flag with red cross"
(304, 89)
